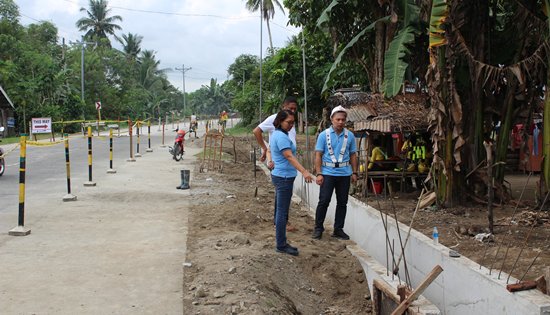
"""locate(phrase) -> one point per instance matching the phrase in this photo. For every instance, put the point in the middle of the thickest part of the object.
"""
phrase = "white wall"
(462, 287)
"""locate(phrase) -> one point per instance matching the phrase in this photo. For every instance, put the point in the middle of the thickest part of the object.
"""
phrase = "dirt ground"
(458, 227)
(232, 266)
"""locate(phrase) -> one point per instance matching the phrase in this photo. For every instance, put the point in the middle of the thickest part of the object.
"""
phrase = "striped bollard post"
(111, 170)
(68, 196)
(89, 183)
(149, 137)
(163, 145)
(138, 131)
(131, 159)
(20, 229)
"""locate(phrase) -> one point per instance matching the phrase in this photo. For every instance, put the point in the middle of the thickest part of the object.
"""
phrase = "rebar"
(510, 228)
(528, 236)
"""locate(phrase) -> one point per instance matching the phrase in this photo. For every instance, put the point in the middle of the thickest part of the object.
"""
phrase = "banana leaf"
(348, 46)
(325, 15)
(440, 12)
(394, 65)
(410, 11)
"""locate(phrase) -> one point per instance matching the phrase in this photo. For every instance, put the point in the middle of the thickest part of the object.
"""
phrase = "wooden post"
(416, 293)
(489, 151)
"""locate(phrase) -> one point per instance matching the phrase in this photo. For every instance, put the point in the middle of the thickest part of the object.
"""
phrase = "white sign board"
(41, 125)
(98, 105)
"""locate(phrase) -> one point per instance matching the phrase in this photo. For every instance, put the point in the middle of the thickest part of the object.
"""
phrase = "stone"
(232, 270)
(218, 295)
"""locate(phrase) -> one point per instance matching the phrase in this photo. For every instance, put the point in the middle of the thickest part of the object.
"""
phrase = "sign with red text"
(41, 125)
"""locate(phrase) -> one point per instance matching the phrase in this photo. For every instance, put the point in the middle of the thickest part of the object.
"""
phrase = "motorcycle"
(177, 150)
(2, 162)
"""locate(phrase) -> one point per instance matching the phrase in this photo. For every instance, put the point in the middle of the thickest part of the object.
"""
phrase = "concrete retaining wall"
(462, 288)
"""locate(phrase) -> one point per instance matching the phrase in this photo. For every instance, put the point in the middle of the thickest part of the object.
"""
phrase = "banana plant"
(350, 44)
(394, 63)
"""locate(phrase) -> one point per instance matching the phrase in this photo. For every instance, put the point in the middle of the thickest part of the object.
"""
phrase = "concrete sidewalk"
(118, 249)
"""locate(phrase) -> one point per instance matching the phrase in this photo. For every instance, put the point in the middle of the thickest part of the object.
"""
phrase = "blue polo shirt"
(279, 142)
(336, 141)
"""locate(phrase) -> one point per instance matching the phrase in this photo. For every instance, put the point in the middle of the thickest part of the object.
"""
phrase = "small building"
(7, 118)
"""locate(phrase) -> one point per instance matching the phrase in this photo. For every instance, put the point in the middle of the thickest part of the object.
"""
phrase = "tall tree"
(98, 24)
(268, 12)
(131, 45)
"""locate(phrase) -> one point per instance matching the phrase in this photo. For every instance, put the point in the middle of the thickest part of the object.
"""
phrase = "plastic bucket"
(377, 187)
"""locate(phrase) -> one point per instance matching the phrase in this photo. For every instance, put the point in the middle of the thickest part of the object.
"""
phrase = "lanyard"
(342, 150)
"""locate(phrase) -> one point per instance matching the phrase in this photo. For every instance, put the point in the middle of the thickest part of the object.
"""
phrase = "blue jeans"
(330, 183)
(283, 193)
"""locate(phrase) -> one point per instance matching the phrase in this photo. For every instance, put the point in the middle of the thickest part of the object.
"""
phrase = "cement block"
(19, 231)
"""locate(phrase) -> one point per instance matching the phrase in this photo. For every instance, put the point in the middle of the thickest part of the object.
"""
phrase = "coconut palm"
(268, 12)
(98, 25)
(131, 45)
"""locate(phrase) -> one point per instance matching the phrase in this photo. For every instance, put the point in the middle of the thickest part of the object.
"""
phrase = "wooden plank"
(522, 286)
(418, 291)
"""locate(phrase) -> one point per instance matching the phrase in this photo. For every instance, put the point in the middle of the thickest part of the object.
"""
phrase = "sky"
(204, 35)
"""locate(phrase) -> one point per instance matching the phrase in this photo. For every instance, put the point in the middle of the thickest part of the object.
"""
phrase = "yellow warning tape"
(36, 143)
(10, 150)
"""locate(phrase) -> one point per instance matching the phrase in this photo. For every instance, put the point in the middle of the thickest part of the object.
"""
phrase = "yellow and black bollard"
(131, 159)
(111, 170)
(138, 131)
(149, 137)
(20, 229)
(89, 183)
(68, 196)
(163, 145)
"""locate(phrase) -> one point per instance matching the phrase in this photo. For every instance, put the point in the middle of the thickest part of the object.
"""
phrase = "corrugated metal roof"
(375, 124)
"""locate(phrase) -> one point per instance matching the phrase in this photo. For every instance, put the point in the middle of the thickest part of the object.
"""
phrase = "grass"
(9, 140)
(238, 131)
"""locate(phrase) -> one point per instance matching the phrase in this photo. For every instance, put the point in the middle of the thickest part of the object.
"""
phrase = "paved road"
(118, 249)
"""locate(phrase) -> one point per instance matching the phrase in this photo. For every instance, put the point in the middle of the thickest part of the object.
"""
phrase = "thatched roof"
(371, 112)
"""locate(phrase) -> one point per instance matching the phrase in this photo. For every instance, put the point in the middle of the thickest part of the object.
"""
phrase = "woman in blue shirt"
(283, 153)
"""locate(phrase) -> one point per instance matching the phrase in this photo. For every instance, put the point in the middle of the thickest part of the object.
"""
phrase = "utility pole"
(82, 44)
(183, 69)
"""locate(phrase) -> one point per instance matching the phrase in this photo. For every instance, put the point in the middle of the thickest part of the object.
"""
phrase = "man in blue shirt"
(335, 164)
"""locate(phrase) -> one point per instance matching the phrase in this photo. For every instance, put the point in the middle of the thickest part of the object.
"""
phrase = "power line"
(179, 14)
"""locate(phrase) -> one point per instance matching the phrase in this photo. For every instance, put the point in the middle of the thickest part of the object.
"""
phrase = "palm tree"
(268, 12)
(131, 45)
(98, 25)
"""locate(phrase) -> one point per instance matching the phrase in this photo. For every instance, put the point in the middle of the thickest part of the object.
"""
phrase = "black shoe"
(340, 234)
(317, 234)
(287, 249)
(295, 248)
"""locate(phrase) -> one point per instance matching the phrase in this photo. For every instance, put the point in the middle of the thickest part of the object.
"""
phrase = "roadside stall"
(7, 119)
(396, 131)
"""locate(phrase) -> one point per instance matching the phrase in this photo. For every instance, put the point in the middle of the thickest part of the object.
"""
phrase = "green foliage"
(394, 65)
(43, 78)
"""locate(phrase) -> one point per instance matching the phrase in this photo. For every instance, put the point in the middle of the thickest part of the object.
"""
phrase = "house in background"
(7, 118)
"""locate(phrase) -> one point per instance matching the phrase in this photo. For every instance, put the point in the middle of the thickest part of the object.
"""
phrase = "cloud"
(206, 35)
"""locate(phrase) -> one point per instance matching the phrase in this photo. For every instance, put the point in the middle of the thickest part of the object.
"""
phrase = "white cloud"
(206, 35)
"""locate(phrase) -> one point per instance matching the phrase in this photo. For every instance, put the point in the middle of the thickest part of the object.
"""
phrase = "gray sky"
(206, 35)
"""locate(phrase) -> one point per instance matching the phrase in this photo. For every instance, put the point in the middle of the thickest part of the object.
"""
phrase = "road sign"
(98, 105)
(41, 125)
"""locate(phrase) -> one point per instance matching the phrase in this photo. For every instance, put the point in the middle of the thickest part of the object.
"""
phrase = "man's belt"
(336, 165)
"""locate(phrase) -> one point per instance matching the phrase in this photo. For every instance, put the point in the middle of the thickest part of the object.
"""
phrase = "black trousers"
(340, 184)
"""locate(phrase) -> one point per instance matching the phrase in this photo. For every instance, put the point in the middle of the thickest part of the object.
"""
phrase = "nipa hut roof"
(373, 113)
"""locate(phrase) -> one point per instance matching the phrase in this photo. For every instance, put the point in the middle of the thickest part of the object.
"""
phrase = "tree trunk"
(272, 52)
(503, 138)
(378, 78)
